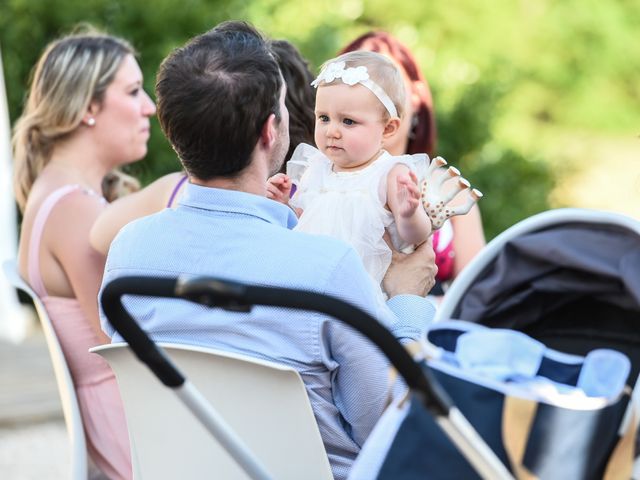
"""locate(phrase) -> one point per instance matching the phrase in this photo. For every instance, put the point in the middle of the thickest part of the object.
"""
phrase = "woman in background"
(301, 96)
(85, 115)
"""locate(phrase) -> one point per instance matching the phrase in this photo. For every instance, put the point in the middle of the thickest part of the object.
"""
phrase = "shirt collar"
(234, 201)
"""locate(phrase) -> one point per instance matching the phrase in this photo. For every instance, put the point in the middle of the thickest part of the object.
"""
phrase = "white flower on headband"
(333, 71)
(349, 76)
(354, 75)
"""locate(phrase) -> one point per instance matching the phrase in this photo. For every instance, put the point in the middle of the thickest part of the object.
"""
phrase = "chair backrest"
(66, 389)
(266, 404)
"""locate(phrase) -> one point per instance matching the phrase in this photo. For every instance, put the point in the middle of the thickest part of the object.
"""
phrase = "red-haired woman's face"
(418, 99)
(397, 144)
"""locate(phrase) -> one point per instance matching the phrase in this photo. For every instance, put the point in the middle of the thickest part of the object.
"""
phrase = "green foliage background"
(504, 73)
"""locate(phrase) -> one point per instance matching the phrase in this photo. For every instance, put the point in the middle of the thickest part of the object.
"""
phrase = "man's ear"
(269, 132)
(391, 127)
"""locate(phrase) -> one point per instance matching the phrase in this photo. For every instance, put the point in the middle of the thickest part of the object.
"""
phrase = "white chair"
(266, 404)
(70, 409)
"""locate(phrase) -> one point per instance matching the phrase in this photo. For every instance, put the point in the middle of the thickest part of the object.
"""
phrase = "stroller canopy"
(569, 277)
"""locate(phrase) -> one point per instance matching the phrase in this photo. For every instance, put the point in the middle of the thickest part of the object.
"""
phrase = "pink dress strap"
(33, 257)
(175, 191)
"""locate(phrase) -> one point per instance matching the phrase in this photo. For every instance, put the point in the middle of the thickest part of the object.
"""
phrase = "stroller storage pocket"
(545, 414)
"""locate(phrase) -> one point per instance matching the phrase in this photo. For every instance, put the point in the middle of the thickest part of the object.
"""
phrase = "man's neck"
(252, 179)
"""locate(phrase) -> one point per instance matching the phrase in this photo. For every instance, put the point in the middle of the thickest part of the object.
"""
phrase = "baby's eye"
(134, 92)
(348, 121)
(323, 118)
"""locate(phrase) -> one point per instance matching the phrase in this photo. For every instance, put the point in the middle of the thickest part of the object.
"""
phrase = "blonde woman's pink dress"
(96, 388)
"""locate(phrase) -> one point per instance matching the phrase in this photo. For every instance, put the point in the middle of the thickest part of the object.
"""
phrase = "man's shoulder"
(322, 246)
(314, 262)
(144, 227)
(309, 255)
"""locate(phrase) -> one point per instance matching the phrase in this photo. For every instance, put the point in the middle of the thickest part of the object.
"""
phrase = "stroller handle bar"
(233, 296)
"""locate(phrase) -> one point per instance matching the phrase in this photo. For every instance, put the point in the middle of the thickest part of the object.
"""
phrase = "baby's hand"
(279, 188)
(408, 194)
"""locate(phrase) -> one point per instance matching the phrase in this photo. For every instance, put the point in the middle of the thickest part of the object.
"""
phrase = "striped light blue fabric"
(247, 238)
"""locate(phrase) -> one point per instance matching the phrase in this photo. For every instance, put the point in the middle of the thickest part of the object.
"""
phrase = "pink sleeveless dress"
(96, 388)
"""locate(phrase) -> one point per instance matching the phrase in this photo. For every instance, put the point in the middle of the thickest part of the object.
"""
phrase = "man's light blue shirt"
(248, 238)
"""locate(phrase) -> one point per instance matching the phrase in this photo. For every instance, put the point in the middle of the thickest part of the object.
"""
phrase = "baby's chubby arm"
(279, 188)
(404, 201)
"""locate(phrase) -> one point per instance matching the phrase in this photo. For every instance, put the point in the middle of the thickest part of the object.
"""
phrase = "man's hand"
(413, 273)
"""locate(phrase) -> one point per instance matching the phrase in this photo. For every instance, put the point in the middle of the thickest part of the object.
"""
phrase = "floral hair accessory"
(352, 76)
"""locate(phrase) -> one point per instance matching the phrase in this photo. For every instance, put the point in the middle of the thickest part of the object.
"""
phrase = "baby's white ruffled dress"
(350, 206)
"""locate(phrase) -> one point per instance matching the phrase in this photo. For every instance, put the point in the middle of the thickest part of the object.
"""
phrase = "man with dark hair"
(221, 104)
(215, 95)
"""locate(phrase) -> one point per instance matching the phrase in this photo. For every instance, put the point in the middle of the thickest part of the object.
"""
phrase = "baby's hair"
(381, 70)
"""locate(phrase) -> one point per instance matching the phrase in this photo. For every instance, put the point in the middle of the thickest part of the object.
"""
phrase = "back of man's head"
(214, 96)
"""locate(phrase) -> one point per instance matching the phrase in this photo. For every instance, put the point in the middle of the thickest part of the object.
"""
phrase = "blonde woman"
(86, 114)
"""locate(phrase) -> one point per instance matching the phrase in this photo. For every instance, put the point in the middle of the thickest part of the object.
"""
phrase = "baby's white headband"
(351, 76)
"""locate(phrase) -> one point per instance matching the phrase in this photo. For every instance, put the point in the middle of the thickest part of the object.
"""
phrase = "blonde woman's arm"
(75, 269)
(151, 199)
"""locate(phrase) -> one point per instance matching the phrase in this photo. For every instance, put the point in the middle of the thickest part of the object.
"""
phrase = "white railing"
(13, 318)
